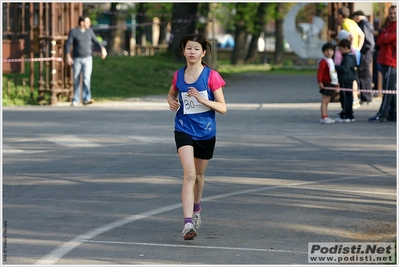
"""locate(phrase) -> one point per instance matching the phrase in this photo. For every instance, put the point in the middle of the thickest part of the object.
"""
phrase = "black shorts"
(203, 149)
(327, 92)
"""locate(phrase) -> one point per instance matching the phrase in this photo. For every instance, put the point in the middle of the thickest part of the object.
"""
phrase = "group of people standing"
(348, 67)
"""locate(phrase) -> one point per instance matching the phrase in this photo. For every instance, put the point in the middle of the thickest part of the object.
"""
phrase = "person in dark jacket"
(346, 75)
(367, 50)
(386, 40)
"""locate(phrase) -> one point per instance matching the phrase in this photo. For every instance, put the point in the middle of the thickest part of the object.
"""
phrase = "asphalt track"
(100, 185)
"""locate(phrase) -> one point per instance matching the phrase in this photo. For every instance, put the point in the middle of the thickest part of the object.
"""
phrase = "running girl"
(196, 93)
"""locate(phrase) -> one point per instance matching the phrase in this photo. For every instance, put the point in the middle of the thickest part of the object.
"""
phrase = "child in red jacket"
(326, 77)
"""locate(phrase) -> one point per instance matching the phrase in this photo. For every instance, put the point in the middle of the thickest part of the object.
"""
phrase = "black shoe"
(378, 119)
(392, 119)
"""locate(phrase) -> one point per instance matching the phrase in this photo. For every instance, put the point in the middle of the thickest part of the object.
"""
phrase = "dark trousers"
(375, 69)
(388, 104)
(364, 74)
(346, 99)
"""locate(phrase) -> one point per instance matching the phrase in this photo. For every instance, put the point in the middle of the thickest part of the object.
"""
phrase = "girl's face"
(193, 52)
(328, 53)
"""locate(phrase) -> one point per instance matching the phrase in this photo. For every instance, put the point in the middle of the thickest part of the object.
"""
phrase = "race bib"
(191, 105)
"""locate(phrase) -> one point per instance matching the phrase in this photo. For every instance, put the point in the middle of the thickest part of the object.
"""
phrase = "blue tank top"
(202, 124)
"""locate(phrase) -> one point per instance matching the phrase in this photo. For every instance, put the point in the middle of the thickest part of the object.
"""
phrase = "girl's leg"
(325, 99)
(186, 155)
(200, 167)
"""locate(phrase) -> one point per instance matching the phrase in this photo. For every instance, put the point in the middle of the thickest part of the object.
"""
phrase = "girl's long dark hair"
(196, 37)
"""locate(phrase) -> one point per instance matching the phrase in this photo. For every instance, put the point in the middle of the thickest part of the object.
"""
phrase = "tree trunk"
(183, 23)
(279, 48)
(202, 27)
(240, 39)
(117, 37)
(141, 18)
(259, 21)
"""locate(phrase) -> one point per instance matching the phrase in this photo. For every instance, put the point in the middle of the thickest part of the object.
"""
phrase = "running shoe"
(197, 220)
(189, 231)
(342, 120)
(327, 121)
(356, 104)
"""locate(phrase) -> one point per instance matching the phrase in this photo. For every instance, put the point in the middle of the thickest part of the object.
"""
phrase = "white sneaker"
(74, 104)
(327, 121)
(342, 120)
(197, 220)
(189, 231)
(356, 104)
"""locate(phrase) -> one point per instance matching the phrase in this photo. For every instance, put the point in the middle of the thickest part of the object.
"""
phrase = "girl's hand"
(194, 93)
(172, 99)
(174, 105)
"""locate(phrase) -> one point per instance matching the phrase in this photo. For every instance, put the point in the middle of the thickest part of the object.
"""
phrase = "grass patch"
(16, 92)
(120, 77)
(228, 69)
(117, 78)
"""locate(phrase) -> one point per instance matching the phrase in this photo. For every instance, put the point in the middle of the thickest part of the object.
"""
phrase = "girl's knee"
(199, 178)
(190, 176)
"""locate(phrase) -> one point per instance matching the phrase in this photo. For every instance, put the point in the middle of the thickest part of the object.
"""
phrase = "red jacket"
(386, 40)
(323, 72)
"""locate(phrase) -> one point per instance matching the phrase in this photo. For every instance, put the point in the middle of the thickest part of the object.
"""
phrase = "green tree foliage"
(203, 12)
(244, 24)
(145, 12)
(164, 12)
(93, 11)
(245, 14)
(259, 27)
(243, 20)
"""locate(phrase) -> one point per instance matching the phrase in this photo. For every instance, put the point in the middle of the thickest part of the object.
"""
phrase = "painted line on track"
(344, 190)
(192, 246)
(54, 256)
